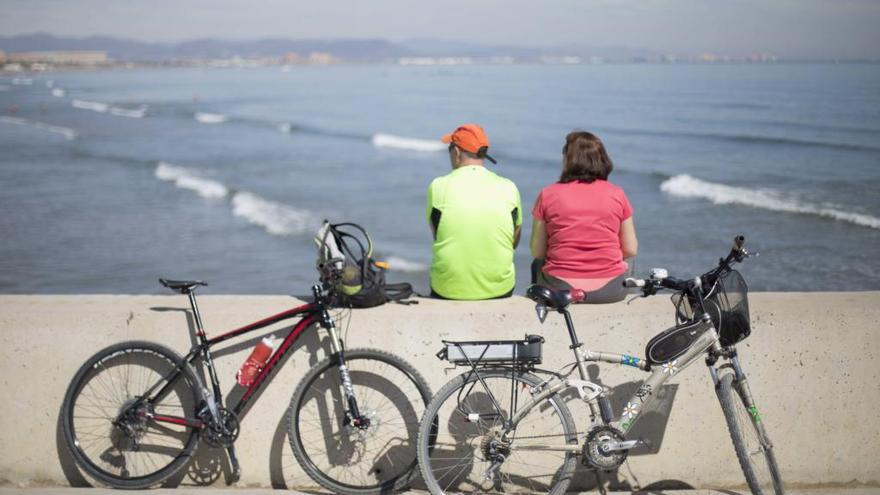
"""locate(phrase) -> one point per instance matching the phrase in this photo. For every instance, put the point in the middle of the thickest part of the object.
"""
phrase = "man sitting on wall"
(475, 217)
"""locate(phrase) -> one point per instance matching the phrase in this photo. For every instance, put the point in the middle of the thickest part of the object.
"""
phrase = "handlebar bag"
(673, 342)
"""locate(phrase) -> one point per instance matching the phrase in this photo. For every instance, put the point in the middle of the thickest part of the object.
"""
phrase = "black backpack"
(347, 268)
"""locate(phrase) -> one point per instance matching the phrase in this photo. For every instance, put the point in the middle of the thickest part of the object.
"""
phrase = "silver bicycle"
(502, 426)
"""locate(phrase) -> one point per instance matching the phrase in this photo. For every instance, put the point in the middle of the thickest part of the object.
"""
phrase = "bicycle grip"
(633, 282)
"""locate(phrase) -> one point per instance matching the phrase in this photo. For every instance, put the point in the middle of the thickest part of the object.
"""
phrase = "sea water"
(111, 179)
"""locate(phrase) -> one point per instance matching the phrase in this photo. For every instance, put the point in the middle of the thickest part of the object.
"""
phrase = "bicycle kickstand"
(236, 468)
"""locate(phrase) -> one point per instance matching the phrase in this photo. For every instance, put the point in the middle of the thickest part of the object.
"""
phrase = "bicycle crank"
(606, 448)
(224, 433)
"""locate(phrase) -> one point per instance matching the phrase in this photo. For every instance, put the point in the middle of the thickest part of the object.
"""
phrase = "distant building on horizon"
(82, 57)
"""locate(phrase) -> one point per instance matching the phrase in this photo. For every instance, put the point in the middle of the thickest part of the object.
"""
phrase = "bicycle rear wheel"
(369, 459)
(461, 428)
(753, 448)
(118, 445)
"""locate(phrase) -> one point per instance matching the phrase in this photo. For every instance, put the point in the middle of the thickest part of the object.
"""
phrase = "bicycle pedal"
(236, 468)
(235, 476)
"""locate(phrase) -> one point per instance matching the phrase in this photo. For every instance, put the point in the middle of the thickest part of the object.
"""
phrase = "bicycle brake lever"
(633, 298)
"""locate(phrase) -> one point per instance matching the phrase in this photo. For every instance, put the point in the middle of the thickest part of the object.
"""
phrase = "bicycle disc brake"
(596, 457)
(222, 433)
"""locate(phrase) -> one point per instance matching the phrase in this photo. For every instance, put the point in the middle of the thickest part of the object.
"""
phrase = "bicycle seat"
(555, 298)
(182, 286)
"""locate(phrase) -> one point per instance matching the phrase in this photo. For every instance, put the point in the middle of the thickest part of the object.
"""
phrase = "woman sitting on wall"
(582, 227)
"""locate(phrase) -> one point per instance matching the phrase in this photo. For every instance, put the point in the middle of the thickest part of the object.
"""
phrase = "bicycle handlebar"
(652, 285)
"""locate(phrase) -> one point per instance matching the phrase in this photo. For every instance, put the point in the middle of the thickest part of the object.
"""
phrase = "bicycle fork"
(353, 416)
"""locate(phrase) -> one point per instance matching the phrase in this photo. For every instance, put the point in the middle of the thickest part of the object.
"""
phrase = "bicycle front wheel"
(749, 437)
(110, 428)
(460, 447)
(371, 458)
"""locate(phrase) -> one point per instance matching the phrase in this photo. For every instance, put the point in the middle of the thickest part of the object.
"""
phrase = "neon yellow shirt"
(473, 251)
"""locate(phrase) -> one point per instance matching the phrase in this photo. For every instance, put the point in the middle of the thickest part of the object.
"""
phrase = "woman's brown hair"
(584, 158)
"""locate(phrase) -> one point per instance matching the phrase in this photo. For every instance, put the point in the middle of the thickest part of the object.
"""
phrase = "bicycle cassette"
(594, 455)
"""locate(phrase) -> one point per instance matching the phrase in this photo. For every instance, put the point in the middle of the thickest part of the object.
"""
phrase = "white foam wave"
(397, 263)
(405, 143)
(187, 179)
(276, 218)
(689, 187)
(284, 127)
(50, 84)
(210, 118)
(94, 106)
(67, 132)
(22, 81)
(58, 93)
(132, 113)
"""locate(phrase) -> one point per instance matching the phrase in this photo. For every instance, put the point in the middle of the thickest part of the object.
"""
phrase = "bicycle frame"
(590, 392)
(309, 314)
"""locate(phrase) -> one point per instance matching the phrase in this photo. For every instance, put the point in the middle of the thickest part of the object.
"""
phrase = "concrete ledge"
(264, 491)
(812, 363)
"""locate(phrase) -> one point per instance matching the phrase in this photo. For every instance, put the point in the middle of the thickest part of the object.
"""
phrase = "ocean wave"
(50, 84)
(210, 118)
(689, 187)
(67, 132)
(743, 138)
(58, 93)
(405, 143)
(284, 127)
(94, 106)
(187, 179)
(132, 113)
(276, 218)
(397, 263)
(22, 81)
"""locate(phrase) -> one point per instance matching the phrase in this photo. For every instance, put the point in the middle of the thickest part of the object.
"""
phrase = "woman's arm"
(628, 242)
(538, 242)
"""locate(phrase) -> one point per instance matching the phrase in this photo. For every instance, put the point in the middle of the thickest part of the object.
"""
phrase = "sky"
(835, 29)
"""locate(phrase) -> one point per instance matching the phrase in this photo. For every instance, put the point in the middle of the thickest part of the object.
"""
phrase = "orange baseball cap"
(471, 138)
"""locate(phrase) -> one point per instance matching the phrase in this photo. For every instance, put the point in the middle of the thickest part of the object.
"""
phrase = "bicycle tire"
(467, 439)
(379, 381)
(83, 433)
(753, 449)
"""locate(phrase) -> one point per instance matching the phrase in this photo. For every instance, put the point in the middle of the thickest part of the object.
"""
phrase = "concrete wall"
(812, 362)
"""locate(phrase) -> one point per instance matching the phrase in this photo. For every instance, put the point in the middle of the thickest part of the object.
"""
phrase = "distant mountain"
(439, 48)
(137, 51)
(349, 49)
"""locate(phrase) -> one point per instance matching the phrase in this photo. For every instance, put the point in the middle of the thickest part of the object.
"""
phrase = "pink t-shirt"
(583, 228)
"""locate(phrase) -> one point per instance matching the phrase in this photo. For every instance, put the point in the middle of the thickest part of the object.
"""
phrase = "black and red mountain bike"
(135, 411)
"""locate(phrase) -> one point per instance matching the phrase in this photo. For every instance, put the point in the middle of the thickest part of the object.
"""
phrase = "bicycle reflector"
(542, 312)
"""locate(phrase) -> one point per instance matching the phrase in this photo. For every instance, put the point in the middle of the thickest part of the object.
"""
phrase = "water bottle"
(256, 361)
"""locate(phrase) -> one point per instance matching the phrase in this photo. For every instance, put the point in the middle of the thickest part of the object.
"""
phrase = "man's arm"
(429, 211)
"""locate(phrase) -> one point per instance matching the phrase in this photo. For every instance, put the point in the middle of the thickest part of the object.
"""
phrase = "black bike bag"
(673, 342)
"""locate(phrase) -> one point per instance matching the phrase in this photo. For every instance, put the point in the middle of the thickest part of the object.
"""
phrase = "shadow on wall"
(650, 428)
